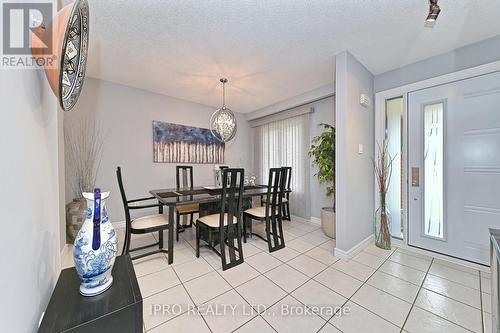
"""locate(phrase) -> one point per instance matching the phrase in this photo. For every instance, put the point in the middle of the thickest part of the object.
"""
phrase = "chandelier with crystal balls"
(223, 121)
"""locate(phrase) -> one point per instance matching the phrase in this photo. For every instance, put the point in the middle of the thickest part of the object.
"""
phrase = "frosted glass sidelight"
(433, 170)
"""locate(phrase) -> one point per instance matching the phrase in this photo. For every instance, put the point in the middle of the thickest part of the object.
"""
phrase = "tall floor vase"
(383, 221)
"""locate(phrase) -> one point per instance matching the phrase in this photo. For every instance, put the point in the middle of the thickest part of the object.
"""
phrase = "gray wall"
(354, 176)
(29, 192)
(468, 56)
(125, 115)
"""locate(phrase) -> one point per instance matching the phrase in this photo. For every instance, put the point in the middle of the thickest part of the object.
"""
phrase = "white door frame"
(403, 91)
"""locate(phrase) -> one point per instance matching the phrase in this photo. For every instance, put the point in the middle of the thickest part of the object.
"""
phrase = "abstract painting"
(173, 143)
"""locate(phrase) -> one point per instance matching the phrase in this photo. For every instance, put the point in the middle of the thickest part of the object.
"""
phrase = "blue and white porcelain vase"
(95, 246)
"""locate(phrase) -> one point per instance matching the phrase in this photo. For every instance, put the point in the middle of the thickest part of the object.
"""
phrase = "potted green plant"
(323, 153)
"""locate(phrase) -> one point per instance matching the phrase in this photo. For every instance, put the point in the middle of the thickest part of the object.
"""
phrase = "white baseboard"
(443, 257)
(315, 220)
(67, 256)
(352, 252)
(299, 219)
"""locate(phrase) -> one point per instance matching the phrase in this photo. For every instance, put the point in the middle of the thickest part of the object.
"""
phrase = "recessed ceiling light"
(434, 11)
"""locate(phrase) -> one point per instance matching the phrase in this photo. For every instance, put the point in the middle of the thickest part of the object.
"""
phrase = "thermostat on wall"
(364, 100)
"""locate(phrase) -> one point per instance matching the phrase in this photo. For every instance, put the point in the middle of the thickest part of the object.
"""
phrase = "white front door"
(454, 167)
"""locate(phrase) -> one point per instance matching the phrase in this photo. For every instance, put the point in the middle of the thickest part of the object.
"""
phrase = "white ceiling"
(270, 50)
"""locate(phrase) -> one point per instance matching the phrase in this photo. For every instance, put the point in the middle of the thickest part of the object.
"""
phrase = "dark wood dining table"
(208, 197)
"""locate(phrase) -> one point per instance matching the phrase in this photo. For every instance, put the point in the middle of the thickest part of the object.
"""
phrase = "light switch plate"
(360, 149)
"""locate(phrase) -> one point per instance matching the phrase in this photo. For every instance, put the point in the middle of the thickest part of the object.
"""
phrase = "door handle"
(415, 177)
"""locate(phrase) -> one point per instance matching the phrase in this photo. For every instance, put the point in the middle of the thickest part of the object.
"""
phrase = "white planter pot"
(328, 221)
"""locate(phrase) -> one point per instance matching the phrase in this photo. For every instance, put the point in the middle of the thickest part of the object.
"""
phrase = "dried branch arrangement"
(383, 173)
(83, 150)
(383, 167)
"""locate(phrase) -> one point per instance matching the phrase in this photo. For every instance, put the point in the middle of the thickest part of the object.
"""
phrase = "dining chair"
(184, 180)
(286, 195)
(270, 213)
(224, 227)
(142, 225)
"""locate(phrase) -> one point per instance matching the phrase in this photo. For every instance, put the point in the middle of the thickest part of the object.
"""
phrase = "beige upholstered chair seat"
(150, 221)
(194, 208)
(264, 199)
(258, 211)
(213, 220)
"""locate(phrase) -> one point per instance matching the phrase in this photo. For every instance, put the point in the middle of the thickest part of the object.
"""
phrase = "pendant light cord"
(223, 80)
(223, 94)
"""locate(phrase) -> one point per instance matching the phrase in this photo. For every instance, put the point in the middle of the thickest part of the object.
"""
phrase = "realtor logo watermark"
(21, 48)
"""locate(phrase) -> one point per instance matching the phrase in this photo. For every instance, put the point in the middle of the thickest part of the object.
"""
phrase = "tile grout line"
(349, 299)
(416, 296)
(436, 292)
(312, 278)
(309, 278)
(329, 266)
(263, 275)
(481, 301)
(232, 288)
(422, 287)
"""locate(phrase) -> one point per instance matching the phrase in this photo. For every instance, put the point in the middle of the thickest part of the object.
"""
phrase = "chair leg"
(124, 245)
(124, 242)
(178, 219)
(197, 240)
(160, 239)
(286, 211)
(245, 229)
(127, 248)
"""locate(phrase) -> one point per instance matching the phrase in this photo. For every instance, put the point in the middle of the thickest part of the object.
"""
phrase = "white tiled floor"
(376, 291)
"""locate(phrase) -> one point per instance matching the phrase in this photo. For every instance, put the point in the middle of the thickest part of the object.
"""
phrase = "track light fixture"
(434, 11)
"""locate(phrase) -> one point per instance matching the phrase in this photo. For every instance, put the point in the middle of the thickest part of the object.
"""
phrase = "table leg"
(171, 223)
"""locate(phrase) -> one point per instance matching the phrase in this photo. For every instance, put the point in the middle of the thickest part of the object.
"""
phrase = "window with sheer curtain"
(286, 143)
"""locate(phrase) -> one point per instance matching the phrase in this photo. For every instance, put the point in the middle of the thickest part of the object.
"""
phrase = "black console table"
(118, 309)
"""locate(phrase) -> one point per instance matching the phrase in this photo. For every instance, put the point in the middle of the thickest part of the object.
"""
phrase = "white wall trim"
(299, 219)
(67, 256)
(315, 220)
(352, 252)
(403, 91)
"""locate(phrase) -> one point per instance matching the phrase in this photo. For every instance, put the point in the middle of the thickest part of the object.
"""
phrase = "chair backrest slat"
(288, 177)
(231, 203)
(232, 193)
(275, 189)
(184, 176)
(122, 192)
